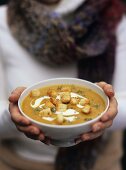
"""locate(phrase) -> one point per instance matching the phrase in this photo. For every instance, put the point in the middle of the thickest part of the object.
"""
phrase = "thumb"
(16, 94)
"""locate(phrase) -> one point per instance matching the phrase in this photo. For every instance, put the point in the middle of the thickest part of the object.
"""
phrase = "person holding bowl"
(59, 39)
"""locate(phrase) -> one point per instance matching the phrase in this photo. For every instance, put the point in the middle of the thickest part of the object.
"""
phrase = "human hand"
(22, 123)
(106, 120)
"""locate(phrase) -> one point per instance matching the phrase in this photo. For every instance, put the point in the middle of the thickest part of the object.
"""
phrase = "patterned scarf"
(47, 36)
(87, 36)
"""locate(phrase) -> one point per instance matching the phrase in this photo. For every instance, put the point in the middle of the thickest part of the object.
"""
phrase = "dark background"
(2, 2)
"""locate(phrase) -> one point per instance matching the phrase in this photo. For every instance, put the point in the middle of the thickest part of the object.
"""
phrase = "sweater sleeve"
(7, 128)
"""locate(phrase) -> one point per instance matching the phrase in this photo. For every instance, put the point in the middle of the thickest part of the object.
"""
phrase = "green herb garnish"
(88, 119)
(37, 109)
(96, 106)
(53, 109)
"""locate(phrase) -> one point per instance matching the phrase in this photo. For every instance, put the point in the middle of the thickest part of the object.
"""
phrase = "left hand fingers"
(108, 89)
(97, 130)
(89, 136)
(112, 111)
(101, 126)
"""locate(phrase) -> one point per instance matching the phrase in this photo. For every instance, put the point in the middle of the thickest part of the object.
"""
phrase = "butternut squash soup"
(63, 104)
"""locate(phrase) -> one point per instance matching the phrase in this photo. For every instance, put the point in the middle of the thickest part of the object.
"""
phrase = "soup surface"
(63, 104)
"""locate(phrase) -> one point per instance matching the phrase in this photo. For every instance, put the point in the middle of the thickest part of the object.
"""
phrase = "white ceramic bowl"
(64, 136)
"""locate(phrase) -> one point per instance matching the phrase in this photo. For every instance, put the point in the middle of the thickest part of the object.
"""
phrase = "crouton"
(35, 93)
(55, 101)
(65, 97)
(46, 112)
(84, 101)
(52, 93)
(61, 107)
(86, 109)
(60, 119)
(49, 104)
(74, 101)
(66, 89)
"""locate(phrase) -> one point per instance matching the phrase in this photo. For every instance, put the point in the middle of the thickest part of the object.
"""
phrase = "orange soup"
(63, 104)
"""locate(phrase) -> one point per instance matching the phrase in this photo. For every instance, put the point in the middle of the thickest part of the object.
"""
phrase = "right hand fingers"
(24, 125)
(16, 94)
(32, 132)
(39, 137)
(31, 129)
(16, 117)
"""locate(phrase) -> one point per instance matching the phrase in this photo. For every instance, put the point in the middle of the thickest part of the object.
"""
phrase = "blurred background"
(2, 2)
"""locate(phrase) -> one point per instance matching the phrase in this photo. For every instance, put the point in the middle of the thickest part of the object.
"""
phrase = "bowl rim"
(63, 126)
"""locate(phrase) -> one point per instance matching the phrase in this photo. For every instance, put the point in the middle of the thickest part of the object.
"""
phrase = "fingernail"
(105, 118)
(26, 122)
(35, 131)
(41, 137)
(86, 137)
(111, 92)
(96, 128)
